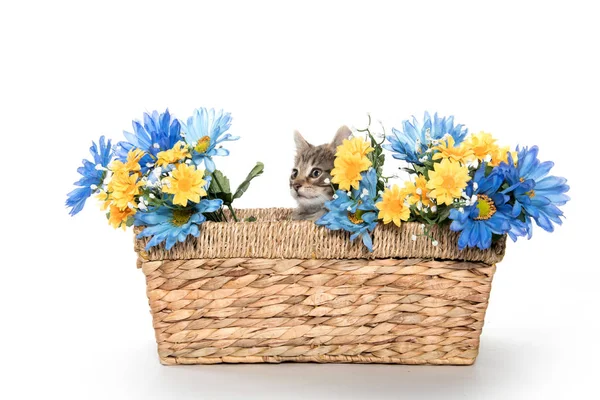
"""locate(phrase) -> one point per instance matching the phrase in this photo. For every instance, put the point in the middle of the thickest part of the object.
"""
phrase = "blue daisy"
(536, 195)
(158, 132)
(170, 225)
(355, 213)
(410, 143)
(92, 173)
(487, 212)
(204, 130)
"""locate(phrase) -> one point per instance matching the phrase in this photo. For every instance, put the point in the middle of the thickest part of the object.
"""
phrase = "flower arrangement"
(483, 190)
(163, 177)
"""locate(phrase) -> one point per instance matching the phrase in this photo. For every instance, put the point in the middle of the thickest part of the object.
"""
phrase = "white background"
(75, 321)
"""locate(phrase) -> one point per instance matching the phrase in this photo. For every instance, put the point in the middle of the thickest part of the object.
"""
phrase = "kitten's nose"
(296, 186)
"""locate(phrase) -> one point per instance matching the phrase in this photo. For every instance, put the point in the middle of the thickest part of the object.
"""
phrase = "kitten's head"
(312, 167)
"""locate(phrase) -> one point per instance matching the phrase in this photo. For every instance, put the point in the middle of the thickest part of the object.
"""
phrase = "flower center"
(356, 217)
(449, 182)
(531, 193)
(181, 217)
(486, 207)
(184, 184)
(203, 144)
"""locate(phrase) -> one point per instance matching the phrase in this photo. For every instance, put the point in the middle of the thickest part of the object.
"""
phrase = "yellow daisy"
(118, 218)
(347, 169)
(179, 152)
(446, 149)
(355, 145)
(392, 207)
(482, 145)
(131, 165)
(186, 184)
(418, 191)
(123, 188)
(447, 181)
(501, 155)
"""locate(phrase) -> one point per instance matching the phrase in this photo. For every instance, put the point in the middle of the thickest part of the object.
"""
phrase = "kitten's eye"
(294, 173)
(315, 173)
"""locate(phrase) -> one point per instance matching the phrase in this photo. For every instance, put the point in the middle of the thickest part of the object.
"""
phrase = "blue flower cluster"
(202, 135)
(354, 211)
(411, 143)
(508, 198)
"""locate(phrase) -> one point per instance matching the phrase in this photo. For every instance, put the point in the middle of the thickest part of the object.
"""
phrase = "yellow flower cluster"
(350, 161)
(481, 147)
(417, 192)
(178, 153)
(485, 149)
(122, 189)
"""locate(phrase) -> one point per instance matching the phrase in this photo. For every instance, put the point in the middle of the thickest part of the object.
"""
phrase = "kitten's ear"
(301, 143)
(343, 133)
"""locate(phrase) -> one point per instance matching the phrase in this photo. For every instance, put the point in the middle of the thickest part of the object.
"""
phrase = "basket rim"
(275, 235)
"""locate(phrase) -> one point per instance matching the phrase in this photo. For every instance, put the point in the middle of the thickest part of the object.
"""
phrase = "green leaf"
(444, 214)
(256, 171)
(220, 188)
(250, 219)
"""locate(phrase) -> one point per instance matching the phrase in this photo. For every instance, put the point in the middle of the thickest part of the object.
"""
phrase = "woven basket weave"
(280, 290)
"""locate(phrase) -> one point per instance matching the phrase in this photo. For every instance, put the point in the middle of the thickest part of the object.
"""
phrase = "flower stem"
(228, 205)
(233, 213)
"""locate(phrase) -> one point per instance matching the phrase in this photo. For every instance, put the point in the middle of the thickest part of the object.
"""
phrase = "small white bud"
(488, 158)
(152, 196)
(149, 165)
(419, 205)
(474, 199)
(327, 180)
(419, 191)
(435, 243)
(349, 193)
(142, 206)
(380, 192)
(422, 227)
(475, 186)
(93, 186)
(99, 167)
(349, 208)
(473, 163)
(428, 134)
(433, 208)
(413, 238)
(156, 146)
(335, 196)
(130, 205)
(428, 150)
(461, 210)
(188, 161)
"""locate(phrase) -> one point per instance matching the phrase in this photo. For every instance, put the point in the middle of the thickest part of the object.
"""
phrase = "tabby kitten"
(309, 182)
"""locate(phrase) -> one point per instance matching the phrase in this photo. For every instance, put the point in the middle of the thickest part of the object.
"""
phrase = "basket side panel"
(406, 311)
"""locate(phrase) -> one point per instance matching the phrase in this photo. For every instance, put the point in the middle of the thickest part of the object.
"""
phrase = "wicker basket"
(279, 290)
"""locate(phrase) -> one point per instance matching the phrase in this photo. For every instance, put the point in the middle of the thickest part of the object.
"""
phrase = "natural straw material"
(417, 305)
(275, 235)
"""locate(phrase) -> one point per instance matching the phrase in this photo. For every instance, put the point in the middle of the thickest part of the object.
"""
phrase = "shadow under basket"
(278, 290)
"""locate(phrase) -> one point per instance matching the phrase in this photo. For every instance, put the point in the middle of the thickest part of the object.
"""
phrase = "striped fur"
(312, 168)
